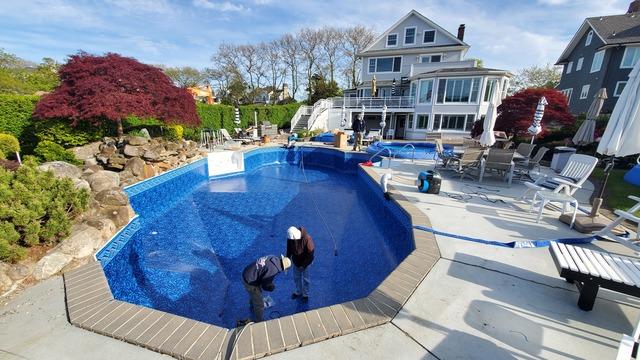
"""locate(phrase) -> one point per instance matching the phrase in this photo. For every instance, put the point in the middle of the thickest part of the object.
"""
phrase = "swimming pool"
(423, 150)
(185, 252)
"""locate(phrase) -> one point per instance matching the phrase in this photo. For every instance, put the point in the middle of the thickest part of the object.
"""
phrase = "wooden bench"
(591, 270)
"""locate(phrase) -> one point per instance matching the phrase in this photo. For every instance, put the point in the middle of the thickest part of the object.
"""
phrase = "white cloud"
(553, 2)
(225, 6)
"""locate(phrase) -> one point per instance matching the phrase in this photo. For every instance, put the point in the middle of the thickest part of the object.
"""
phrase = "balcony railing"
(392, 102)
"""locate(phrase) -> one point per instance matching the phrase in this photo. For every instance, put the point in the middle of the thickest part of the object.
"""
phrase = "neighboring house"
(421, 75)
(601, 54)
(203, 94)
(268, 95)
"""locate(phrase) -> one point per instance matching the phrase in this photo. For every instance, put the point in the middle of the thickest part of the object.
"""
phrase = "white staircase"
(300, 119)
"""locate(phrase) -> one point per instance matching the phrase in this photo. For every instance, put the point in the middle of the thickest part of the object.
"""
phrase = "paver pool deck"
(477, 301)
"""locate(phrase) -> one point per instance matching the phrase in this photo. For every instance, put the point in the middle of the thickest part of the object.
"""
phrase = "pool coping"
(91, 306)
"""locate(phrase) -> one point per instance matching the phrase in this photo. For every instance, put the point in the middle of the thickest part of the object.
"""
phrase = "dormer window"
(392, 40)
(429, 37)
(410, 36)
(430, 58)
(589, 38)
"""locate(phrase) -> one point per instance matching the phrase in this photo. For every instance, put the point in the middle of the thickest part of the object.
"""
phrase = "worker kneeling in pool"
(300, 249)
(259, 276)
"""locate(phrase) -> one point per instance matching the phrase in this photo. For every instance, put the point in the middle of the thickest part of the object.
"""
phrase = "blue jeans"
(301, 279)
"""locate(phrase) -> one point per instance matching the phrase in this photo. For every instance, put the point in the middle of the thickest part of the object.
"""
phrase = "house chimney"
(461, 29)
(634, 7)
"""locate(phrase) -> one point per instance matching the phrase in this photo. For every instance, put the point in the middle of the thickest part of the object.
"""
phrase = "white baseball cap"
(294, 233)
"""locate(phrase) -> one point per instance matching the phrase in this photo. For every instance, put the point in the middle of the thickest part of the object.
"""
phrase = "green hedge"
(222, 116)
(15, 113)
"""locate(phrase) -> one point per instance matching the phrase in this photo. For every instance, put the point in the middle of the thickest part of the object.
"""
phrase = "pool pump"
(429, 182)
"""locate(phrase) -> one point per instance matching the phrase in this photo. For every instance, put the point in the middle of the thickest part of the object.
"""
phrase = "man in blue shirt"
(259, 276)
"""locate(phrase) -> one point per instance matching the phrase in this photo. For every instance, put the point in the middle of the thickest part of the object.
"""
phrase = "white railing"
(393, 102)
(318, 108)
(303, 110)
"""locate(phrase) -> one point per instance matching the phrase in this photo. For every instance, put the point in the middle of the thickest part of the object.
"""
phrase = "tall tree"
(275, 68)
(290, 46)
(111, 87)
(185, 76)
(356, 39)
(251, 63)
(332, 40)
(539, 77)
(322, 89)
(310, 41)
(516, 111)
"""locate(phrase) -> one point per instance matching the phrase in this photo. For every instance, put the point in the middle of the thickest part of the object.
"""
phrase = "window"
(392, 39)
(463, 90)
(619, 88)
(489, 89)
(429, 37)
(631, 55)
(412, 89)
(410, 121)
(410, 36)
(430, 58)
(569, 67)
(567, 93)
(597, 61)
(423, 121)
(579, 64)
(458, 122)
(589, 38)
(585, 92)
(426, 90)
(381, 65)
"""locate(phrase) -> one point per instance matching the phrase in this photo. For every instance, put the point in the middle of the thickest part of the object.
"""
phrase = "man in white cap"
(300, 249)
(259, 276)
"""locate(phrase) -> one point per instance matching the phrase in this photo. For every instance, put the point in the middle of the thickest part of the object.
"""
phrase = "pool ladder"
(413, 154)
(393, 156)
(378, 153)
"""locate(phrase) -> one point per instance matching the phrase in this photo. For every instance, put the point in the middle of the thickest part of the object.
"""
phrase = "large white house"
(422, 77)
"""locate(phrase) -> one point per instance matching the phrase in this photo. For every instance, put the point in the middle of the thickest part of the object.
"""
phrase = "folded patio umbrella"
(383, 122)
(585, 134)
(373, 86)
(536, 126)
(488, 138)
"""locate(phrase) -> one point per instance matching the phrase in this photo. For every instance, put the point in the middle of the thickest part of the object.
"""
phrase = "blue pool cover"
(423, 150)
(194, 235)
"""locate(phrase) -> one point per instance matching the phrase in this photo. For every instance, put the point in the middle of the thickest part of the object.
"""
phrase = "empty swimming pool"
(194, 235)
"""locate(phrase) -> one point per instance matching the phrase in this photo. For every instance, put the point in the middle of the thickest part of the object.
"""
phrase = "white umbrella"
(623, 129)
(343, 122)
(488, 138)
(536, 126)
(383, 122)
(585, 134)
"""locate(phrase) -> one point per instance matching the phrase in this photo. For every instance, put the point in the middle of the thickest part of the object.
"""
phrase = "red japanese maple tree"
(112, 87)
(515, 114)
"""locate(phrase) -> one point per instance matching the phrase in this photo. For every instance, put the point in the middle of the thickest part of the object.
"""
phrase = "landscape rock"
(108, 150)
(106, 226)
(145, 133)
(50, 265)
(62, 169)
(138, 140)
(81, 184)
(135, 165)
(5, 281)
(131, 151)
(83, 241)
(151, 155)
(20, 271)
(172, 147)
(149, 171)
(103, 180)
(120, 215)
(90, 161)
(112, 197)
(87, 151)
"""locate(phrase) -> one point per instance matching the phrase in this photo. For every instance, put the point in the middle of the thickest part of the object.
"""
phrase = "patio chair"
(622, 216)
(470, 159)
(225, 136)
(442, 156)
(525, 149)
(591, 270)
(524, 167)
(499, 160)
(466, 142)
(433, 136)
(372, 136)
(575, 173)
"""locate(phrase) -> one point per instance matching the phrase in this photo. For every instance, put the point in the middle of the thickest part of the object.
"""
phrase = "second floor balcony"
(373, 103)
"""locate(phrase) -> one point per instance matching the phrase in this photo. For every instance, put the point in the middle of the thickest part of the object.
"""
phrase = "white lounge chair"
(227, 137)
(575, 173)
(622, 216)
(628, 348)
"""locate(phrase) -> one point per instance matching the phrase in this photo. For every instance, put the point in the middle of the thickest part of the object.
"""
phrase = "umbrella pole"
(597, 202)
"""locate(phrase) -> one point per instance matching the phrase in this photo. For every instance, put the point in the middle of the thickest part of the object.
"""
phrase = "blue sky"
(507, 34)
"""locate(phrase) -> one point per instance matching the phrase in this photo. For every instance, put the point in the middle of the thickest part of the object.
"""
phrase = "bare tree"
(332, 40)
(185, 76)
(356, 39)
(310, 41)
(290, 47)
(275, 68)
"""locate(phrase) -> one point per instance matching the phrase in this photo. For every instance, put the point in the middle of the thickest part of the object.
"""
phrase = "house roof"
(421, 17)
(612, 30)
(462, 71)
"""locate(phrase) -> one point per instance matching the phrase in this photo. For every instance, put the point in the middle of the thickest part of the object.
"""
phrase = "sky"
(505, 34)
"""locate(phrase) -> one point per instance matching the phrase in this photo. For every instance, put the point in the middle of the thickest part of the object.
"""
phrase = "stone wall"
(109, 166)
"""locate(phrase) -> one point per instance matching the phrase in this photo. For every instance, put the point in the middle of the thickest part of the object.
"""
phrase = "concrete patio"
(478, 301)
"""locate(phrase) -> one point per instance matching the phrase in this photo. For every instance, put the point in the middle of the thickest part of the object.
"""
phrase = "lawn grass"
(617, 190)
